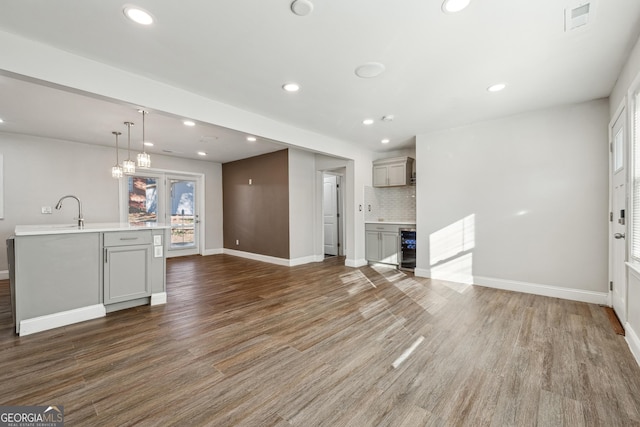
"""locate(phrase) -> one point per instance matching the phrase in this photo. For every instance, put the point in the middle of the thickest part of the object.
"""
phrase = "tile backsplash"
(390, 204)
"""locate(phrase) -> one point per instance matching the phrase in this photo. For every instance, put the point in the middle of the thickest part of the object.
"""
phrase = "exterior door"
(154, 197)
(182, 198)
(330, 215)
(618, 218)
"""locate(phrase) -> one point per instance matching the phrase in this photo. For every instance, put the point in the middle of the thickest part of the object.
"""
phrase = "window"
(143, 200)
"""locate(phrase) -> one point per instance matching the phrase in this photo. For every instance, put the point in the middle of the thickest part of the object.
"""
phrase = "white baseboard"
(355, 263)
(159, 298)
(533, 288)
(632, 341)
(4, 274)
(422, 272)
(543, 290)
(208, 252)
(257, 257)
(305, 260)
(56, 320)
(274, 260)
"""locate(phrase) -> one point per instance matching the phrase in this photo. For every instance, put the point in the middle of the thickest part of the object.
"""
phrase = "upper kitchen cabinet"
(392, 172)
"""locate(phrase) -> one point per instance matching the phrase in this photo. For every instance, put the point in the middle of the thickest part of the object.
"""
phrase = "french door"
(161, 198)
(183, 215)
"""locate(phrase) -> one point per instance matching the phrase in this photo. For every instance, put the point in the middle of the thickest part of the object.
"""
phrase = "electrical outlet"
(237, 242)
(46, 209)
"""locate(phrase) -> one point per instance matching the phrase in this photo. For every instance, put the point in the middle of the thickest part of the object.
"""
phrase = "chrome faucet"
(80, 218)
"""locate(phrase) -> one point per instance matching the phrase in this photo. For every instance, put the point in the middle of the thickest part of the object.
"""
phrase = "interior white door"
(618, 224)
(330, 214)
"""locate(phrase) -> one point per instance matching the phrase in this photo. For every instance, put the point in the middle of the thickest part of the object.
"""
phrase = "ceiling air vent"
(577, 16)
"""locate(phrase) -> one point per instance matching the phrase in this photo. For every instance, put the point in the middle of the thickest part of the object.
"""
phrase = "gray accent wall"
(256, 214)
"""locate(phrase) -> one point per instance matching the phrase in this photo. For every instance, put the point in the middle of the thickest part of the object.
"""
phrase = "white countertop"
(42, 229)
(391, 222)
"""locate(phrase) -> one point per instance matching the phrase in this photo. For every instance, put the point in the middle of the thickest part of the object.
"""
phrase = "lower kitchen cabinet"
(127, 266)
(382, 243)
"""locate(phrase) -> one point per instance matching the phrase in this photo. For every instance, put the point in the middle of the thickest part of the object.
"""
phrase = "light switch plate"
(157, 240)
(46, 209)
(157, 251)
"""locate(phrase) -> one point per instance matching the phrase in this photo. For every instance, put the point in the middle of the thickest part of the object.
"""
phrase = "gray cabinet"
(62, 274)
(392, 172)
(382, 243)
(55, 273)
(127, 266)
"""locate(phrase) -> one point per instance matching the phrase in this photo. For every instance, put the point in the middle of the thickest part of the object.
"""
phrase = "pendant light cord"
(144, 113)
(117, 149)
(129, 124)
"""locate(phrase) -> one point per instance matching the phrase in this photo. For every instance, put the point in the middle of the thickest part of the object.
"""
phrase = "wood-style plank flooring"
(252, 344)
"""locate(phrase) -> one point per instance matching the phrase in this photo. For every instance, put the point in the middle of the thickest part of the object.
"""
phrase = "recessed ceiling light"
(138, 15)
(201, 153)
(453, 6)
(189, 123)
(370, 70)
(367, 122)
(1, 121)
(251, 138)
(291, 87)
(497, 87)
(385, 141)
(301, 7)
(148, 144)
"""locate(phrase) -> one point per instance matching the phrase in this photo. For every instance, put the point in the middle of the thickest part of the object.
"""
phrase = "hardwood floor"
(247, 343)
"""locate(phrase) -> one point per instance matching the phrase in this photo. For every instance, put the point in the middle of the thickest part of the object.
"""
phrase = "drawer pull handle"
(128, 238)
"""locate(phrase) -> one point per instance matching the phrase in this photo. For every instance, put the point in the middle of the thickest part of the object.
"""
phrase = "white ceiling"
(51, 112)
(240, 52)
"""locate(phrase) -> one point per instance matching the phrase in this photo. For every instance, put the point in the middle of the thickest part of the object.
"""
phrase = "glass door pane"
(184, 218)
(142, 200)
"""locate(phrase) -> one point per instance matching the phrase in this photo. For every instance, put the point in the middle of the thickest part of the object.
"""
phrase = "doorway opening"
(333, 214)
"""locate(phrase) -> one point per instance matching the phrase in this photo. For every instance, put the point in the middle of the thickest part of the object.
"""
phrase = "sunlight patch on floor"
(407, 353)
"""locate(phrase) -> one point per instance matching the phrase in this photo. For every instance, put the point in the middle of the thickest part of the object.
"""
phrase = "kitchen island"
(63, 274)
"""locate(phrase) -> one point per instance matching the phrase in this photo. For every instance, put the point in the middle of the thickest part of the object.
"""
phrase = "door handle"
(619, 235)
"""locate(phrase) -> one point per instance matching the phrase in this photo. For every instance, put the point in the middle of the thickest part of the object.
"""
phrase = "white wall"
(302, 206)
(627, 75)
(520, 202)
(213, 194)
(38, 171)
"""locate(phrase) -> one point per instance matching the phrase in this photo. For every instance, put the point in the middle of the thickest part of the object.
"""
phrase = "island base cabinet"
(55, 273)
(64, 274)
(126, 273)
(127, 269)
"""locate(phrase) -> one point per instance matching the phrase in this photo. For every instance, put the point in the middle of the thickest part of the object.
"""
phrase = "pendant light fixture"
(144, 160)
(116, 171)
(129, 166)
